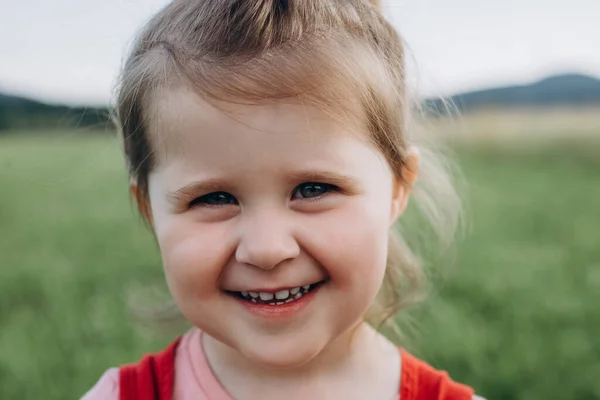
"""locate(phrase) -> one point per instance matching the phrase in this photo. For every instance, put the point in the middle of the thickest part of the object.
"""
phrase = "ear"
(403, 185)
(142, 202)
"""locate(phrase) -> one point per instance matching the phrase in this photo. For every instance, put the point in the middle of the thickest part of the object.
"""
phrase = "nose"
(266, 240)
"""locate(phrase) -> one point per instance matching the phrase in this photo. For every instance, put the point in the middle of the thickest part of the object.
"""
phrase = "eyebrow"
(347, 183)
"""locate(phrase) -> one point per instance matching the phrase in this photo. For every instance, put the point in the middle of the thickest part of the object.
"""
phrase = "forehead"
(186, 127)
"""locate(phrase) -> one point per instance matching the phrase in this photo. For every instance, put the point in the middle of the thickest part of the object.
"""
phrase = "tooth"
(295, 290)
(266, 296)
(306, 287)
(253, 294)
(245, 294)
(283, 294)
(289, 300)
(279, 303)
(298, 296)
(254, 300)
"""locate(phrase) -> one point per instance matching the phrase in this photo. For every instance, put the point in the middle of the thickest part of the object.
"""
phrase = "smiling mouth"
(278, 298)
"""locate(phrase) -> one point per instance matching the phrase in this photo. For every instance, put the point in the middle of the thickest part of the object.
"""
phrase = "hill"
(22, 113)
(562, 90)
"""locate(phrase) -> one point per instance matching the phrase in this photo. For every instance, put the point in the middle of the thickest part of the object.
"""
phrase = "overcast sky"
(70, 50)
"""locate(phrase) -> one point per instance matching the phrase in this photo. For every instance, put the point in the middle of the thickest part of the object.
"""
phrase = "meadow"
(516, 315)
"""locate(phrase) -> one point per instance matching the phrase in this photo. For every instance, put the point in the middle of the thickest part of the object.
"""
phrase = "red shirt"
(153, 377)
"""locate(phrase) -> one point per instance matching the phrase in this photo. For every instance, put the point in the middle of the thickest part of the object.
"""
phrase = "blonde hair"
(324, 52)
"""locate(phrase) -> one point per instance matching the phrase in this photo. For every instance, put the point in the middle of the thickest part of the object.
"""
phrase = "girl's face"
(272, 223)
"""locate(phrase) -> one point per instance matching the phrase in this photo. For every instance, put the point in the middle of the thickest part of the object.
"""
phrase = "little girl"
(269, 150)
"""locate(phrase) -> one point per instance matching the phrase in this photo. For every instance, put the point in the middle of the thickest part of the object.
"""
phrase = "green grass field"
(516, 316)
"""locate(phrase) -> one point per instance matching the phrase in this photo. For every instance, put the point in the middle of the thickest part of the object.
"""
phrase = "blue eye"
(214, 199)
(311, 190)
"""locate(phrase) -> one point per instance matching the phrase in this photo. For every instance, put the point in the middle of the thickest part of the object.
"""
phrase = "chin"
(287, 352)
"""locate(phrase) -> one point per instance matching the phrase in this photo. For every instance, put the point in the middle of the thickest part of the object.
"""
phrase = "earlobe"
(402, 186)
(398, 196)
(410, 168)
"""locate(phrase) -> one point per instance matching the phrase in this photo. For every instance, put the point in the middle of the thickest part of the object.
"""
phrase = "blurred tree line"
(18, 113)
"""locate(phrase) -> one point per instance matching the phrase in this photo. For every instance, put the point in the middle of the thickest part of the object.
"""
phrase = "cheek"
(351, 244)
(193, 256)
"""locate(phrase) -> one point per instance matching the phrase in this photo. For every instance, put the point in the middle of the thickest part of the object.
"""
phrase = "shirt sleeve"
(107, 387)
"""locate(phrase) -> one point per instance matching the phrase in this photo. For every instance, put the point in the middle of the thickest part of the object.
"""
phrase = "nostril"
(266, 255)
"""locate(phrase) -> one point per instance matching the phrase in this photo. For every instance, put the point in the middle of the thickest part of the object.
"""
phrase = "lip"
(282, 311)
(271, 290)
(275, 290)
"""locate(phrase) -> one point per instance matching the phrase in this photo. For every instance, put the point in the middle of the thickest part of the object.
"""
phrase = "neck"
(354, 352)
